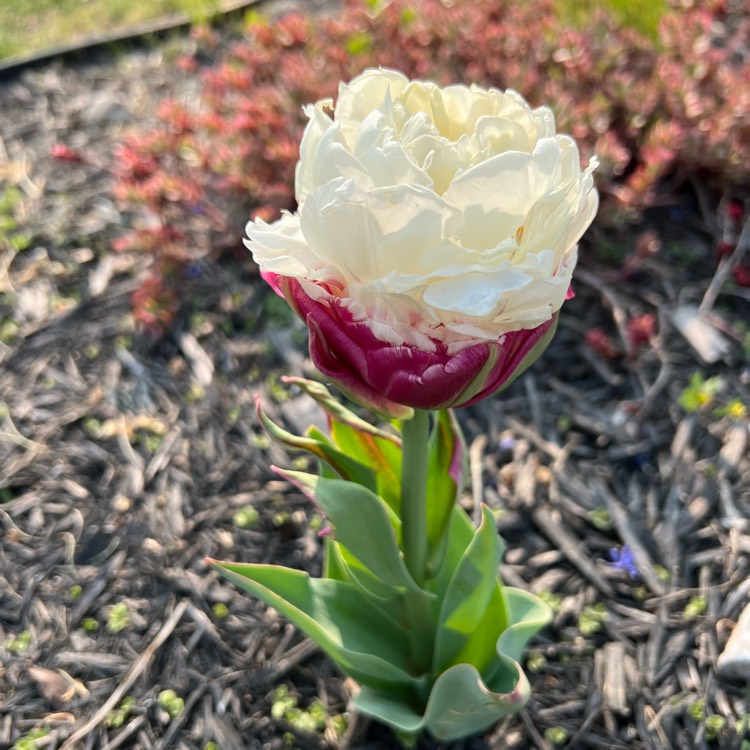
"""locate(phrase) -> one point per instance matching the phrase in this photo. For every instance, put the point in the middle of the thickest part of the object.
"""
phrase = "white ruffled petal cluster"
(444, 214)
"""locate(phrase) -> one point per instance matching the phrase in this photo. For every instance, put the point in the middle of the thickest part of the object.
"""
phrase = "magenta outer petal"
(272, 279)
(382, 375)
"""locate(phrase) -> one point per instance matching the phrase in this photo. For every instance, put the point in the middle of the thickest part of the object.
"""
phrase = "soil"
(126, 459)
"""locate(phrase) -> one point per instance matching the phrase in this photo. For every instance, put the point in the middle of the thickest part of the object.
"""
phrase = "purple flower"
(623, 559)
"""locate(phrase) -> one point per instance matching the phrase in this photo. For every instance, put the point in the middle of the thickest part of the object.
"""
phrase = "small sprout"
(18, 644)
(735, 410)
(90, 625)
(284, 706)
(246, 517)
(195, 394)
(282, 702)
(93, 426)
(8, 331)
(171, 703)
(263, 442)
(662, 573)
(75, 591)
(564, 423)
(600, 518)
(535, 661)
(695, 607)
(314, 719)
(339, 724)
(715, 725)
(211, 745)
(300, 463)
(699, 392)
(743, 724)
(697, 709)
(220, 610)
(118, 716)
(556, 735)
(640, 593)
(591, 619)
(33, 739)
(553, 601)
(118, 618)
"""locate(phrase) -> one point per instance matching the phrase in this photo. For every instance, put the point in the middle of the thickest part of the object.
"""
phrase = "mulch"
(125, 460)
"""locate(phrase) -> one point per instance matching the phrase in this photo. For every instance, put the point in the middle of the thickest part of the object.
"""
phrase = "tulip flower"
(434, 242)
(430, 255)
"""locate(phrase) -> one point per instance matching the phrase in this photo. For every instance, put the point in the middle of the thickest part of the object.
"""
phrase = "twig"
(120, 691)
(551, 525)
(725, 268)
(629, 536)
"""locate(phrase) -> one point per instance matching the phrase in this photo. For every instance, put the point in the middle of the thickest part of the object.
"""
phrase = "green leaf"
(364, 642)
(472, 598)
(444, 482)
(461, 531)
(460, 704)
(527, 615)
(363, 523)
(380, 454)
(336, 410)
(346, 567)
(321, 447)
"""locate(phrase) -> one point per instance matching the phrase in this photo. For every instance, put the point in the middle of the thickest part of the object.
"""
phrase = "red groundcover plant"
(675, 107)
(432, 249)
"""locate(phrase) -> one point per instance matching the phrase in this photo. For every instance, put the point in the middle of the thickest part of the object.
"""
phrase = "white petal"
(477, 295)
(319, 124)
(280, 247)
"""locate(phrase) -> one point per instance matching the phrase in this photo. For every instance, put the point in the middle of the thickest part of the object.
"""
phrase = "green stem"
(415, 434)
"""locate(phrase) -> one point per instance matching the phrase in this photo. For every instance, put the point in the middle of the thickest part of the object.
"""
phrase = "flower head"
(624, 559)
(434, 242)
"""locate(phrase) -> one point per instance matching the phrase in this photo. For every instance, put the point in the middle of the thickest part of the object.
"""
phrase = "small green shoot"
(697, 709)
(600, 518)
(246, 517)
(118, 618)
(220, 610)
(699, 392)
(18, 644)
(552, 600)
(118, 716)
(171, 703)
(735, 410)
(90, 625)
(592, 618)
(284, 706)
(715, 725)
(33, 739)
(535, 661)
(556, 736)
(695, 607)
